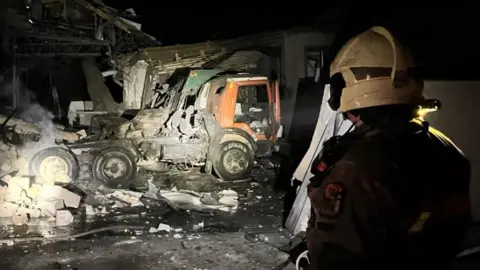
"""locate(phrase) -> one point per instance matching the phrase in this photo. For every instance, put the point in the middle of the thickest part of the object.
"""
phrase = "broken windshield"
(252, 94)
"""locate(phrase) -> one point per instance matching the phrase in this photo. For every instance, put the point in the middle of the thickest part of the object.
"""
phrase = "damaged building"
(103, 129)
(45, 46)
(214, 106)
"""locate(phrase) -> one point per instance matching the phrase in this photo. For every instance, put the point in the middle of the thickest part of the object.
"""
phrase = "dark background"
(443, 35)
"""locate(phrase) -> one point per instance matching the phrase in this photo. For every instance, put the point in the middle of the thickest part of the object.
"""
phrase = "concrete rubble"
(130, 198)
(26, 200)
(225, 200)
(161, 227)
(22, 203)
(22, 197)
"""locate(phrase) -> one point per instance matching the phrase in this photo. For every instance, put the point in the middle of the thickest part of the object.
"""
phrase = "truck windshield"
(252, 94)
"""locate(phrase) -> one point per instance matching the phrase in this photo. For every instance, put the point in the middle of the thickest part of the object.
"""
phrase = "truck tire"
(233, 161)
(52, 164)
(115, 168)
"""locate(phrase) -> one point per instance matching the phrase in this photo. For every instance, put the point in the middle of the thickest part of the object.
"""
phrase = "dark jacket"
(396, 199)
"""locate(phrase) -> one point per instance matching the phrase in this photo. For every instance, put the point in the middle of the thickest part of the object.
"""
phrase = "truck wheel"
(233, 161)
(115, 167)
(54, 165)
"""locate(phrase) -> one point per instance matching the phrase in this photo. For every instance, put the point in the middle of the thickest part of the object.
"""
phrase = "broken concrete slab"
(89, 211)
(48, 208)
(228, 197)
(33, 191)
(118, 204)
(8, 209)
(161, 228)
(59, 204)
(201, 201)
(82, 133)
(55, 193)
(64, 218)
(152, 190)
(23, 182)
(34, 213)
(198, 226)
(16, 194)
(128, 197)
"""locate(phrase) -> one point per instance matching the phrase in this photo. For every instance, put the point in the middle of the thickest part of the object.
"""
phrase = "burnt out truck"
(218, 120)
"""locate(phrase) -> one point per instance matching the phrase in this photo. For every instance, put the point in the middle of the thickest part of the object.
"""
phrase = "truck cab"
(246, 104)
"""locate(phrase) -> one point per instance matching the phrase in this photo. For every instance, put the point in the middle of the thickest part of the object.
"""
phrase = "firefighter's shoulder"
(365, 153)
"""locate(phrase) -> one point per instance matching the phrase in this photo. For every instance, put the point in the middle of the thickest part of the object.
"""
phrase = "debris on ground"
(130, 198)
(64, 218)
(152, 190)
(198, 226)
(57, 208)
(161, 227)
(89, 210)
(225, 200)
(23, 197)
(22, 201)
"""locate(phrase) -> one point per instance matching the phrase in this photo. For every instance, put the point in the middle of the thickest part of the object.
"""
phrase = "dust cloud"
(32, 111)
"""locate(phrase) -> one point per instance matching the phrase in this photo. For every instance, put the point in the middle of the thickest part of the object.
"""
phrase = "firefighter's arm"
(347, 226)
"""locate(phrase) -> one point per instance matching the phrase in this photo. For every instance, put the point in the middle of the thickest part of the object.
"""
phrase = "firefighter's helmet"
(372, 70)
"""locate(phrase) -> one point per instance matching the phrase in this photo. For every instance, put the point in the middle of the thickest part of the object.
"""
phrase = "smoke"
(30, 110)
(43, 118)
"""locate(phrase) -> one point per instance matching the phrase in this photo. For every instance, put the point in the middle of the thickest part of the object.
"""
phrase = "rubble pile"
(22, 200)
(23, 197)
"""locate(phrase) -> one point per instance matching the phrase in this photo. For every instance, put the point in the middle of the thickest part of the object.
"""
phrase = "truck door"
(275, 110)
(253, 107)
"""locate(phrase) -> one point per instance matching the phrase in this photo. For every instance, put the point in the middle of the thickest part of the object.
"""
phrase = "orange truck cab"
(247, 109)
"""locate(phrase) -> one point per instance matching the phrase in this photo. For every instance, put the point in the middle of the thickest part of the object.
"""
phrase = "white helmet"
(371, 70)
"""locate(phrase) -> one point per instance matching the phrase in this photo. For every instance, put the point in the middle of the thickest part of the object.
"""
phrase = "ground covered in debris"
(193, 251)
(156, 235)
(176, 220)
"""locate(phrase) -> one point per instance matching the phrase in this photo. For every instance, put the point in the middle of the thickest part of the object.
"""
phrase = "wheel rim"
(54, 169)
(235, 161)
(114, 168)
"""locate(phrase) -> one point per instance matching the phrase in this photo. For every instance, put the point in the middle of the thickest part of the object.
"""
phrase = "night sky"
(443, 37)
(175, 22)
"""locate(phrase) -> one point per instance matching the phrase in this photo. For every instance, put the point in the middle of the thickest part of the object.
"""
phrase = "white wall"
(458, 120)
(293, 66)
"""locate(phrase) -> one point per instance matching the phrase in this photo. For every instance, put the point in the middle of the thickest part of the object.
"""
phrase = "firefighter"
(394, 192)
